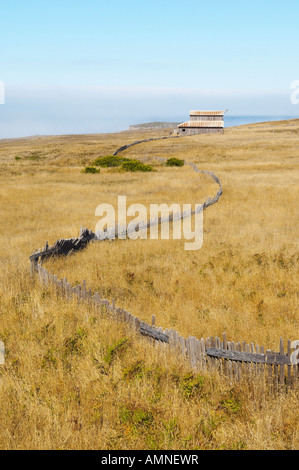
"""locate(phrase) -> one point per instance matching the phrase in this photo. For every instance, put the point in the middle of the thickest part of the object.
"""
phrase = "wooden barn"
(203, 122)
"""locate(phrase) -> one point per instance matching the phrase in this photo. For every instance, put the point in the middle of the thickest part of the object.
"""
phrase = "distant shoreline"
(229, 122)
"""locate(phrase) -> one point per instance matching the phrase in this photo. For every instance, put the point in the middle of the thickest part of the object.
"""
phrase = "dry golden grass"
(62, 386)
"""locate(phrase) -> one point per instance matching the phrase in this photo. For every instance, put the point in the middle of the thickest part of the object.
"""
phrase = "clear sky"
(100, 65)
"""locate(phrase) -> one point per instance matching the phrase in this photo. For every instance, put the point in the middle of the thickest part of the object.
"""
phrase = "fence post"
(32, 267)
(2, 353)
(281, 375)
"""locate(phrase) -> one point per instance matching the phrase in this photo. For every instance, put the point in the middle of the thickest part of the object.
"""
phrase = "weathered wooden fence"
(229, 358)
(233, 359)
(125, 147)
(2, 353)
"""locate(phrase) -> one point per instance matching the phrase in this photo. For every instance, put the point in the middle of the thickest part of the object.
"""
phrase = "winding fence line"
(279, 369)
(125, 147)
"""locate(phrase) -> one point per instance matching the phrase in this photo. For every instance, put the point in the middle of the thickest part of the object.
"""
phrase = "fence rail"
(234, 360)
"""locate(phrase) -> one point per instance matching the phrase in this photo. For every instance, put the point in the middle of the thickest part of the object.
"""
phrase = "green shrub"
(127, 164)
(175, 162)
(114, 349)
(32, 156)
(135, 370)
(135, 165)
(73, 344)
(49, 359)
(91, 169)
(231, 405)
(192, 385)
(140, 417)
(111, 161)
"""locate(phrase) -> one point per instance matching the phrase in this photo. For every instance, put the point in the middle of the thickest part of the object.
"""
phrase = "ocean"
(232, 121)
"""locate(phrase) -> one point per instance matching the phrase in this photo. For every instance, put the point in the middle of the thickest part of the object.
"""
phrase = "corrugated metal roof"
(202, 124)
(207, 113)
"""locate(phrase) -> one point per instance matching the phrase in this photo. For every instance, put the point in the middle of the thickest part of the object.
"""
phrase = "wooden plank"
(153, 333)
(182, 345)
(171, 338)
(230, 364)
(208, 346)
(198, 354)
(295, 371)
(289, 352)
(269, 372)
(188, 352)
(224, 341)
(203, 351)
(247, 357)
(258, 366)
(176, 339)
(78, 291)
(281, 371)
(137, 324)
(32, 267)
(235, 367)
(2, 353)
(240, 365)
(65, 288)
(275, 378)
(254, 364)
(84, 290)
(193, 351)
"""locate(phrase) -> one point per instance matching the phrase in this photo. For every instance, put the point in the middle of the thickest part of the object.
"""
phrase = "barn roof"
(207, 113)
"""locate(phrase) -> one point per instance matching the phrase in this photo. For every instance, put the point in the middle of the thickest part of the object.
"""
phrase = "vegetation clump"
(110, 161)
(114, 349)
(175, 162)
(31, 156)
(91, 169)
(126, 164)
(192, 385)
(136, 417)
(136, 165)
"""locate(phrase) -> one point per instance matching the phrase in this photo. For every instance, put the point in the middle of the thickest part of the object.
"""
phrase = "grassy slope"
(62, 386)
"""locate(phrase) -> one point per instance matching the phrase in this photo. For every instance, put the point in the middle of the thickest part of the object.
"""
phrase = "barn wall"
(206, 118)
(202, 130)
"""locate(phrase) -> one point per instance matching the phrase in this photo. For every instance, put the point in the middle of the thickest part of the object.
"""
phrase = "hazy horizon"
(231, 121)
(102, 66)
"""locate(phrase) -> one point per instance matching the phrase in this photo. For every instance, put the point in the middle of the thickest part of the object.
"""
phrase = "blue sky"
(72, 66)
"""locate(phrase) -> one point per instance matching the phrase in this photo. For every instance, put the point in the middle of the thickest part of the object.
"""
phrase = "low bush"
(175, 162)
(91, 169)
(135, 165)
(32, 156)
(110, 161)
(118, 347)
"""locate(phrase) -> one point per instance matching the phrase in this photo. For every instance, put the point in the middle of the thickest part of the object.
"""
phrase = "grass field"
(75, 381)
